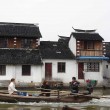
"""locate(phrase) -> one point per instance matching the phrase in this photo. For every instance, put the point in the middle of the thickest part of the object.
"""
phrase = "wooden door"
(48, 71)
(80, 70)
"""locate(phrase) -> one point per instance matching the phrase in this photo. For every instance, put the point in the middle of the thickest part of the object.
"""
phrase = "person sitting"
(74, 85)
(45, 88)
(11, 87)
(89, 86)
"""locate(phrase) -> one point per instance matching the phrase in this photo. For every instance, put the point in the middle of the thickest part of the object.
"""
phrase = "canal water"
(94, 104)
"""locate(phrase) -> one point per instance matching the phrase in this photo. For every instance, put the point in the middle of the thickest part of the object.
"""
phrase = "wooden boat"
(77, 98)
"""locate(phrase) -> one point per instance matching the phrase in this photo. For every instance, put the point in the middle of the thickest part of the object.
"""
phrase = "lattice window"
(93, 67)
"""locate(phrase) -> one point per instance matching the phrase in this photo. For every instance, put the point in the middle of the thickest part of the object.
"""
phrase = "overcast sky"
(57, 17)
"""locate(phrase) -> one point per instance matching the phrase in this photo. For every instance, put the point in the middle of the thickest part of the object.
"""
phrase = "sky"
(57, 17)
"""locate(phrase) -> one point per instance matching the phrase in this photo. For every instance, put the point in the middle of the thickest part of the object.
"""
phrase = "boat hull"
(67, 99)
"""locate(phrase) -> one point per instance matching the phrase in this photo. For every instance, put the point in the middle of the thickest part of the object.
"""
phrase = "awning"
(92, 58)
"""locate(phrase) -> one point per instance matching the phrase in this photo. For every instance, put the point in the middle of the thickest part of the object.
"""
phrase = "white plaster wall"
(71, 70)
(106, 71)
(72, 44)
(37, 73)
(106, 74)
(9, 73)
(95, 75)
(15, 71)
(34, 77)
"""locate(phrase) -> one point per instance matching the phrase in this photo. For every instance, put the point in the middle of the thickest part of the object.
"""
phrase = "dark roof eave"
(22, 64)
(20, 36)
(87, 36)
(19, 29)
(20, 56)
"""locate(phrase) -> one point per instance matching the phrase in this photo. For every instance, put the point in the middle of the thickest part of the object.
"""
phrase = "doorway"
(48, 71)
(80, 70)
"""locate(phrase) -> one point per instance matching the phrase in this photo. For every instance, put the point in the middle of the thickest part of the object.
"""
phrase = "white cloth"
(11, 88)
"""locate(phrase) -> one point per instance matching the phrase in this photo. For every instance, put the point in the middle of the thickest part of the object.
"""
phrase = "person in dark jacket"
(45, 88)
(74, 85)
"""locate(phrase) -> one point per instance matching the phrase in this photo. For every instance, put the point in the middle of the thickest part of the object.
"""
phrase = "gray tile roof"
(64, 39)
(19, 30)
(55, 50)
(87, 36)
(81, 30)
(20, 56)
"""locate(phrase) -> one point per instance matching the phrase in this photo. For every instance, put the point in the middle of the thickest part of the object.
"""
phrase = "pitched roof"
(20, 56)
(55, 50)
(19, 30)
(64, 39)
(81, 30)
(107, 49)
(87, 36)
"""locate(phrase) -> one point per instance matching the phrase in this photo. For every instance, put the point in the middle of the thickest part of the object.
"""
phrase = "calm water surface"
(95, 104)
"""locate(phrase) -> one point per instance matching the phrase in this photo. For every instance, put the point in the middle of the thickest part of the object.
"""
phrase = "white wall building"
(87, 46)
(27, 59)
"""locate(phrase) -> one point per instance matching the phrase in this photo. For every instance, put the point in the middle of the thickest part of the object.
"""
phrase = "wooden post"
(58, 94)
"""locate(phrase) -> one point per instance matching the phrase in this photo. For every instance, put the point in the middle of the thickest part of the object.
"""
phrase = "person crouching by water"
(74, 85)
(45, 88)
(11, 87)
(90, 85)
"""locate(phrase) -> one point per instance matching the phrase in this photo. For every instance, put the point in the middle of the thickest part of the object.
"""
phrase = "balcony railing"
(89, 52)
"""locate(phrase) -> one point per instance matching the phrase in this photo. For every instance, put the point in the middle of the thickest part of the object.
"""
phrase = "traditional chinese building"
(27, 59)
(87, 45)
(19, 54)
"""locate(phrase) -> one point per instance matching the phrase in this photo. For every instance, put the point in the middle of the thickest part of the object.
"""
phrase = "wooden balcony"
(82, 52)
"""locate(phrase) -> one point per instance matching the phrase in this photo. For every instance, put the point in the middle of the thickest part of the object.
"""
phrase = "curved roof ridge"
(81, 30)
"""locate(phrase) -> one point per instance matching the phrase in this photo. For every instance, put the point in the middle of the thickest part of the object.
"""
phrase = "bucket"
(22, 93)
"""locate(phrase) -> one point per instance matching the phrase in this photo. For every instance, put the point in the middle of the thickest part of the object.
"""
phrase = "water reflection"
(51, 108)
(26, 107)
(48, 108)
(95, 104)
(95, 108)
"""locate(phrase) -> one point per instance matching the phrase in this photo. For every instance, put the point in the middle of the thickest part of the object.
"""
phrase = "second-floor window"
(3, 42)
(61, 67)
(26, 43)
(2, 70)
(88, 45)
(26, 70)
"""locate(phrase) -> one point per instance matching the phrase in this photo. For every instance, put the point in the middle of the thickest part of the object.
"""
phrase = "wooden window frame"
(88, 45)
(26, 43)
(26, 70)
(2, 70)
(61, 67)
